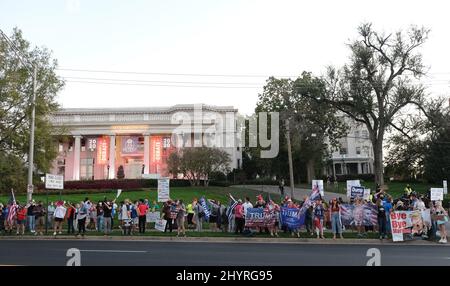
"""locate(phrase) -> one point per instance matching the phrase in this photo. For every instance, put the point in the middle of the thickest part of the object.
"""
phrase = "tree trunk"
(378, 160)
(310, 170)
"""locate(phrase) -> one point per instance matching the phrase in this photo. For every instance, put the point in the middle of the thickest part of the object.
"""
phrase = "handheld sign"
(437, 194)
(319, 184)
(163, 190)
(54, 182)
(119, 191)
(350, 184)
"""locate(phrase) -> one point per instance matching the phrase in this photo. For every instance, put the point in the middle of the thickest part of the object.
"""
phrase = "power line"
(159, 81)
(161, 85)
(168, 74)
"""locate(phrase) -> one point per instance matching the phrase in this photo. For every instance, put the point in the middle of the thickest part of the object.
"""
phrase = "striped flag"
(315, 194)
(12, 208)
(205, 208)
(230, 209)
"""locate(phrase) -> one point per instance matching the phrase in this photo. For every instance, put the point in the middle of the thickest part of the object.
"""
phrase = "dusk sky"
(175, 52)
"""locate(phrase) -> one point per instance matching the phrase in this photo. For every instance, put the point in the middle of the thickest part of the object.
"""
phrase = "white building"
(355, 155)
(138, 139)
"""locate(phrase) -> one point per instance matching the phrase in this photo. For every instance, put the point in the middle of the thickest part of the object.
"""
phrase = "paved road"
(53, 252)
(299, 193)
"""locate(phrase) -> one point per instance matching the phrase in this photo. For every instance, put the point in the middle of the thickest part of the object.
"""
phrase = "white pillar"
(112, 157)
(76, 158)
(359, 168)
(147, 153)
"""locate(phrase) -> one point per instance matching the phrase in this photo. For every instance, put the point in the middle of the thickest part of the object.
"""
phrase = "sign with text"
(400, 224)
(153, 216)
(437, 194)
(259, 217)
(163, 190)
(92, 144)
(292, 218)
(102, 150)
(160, 224)
(350, 184)
(356, 192)
(55, 182)
(318, 184)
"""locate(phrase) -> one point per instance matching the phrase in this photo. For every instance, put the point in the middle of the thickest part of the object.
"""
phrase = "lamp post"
(24, 60)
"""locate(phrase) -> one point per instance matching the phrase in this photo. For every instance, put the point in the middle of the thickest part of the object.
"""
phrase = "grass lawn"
(395, 189)
(184, 193)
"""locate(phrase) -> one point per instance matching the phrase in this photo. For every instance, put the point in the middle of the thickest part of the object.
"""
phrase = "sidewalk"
(299, 193)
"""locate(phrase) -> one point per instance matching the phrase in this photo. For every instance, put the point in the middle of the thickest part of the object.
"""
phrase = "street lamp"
(23, 59)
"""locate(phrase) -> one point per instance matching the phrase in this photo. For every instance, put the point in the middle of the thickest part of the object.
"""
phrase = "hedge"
(118, 184)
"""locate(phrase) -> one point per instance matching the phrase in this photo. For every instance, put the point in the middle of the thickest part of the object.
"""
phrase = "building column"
(76, 158)
(334, 170)
(147, 153)
(359, 168)
(112, 157)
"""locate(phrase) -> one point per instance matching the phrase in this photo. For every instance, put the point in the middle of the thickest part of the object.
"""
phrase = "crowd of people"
(132, 216)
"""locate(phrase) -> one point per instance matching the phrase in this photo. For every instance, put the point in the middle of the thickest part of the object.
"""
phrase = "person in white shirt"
(125, 216)
(59, 214)
(247, 205)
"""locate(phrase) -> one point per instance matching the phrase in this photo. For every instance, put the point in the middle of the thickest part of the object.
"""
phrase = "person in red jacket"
(239, 217)
(21, 219)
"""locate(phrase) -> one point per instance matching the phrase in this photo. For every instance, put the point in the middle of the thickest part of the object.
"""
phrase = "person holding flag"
(230, 213)
(11, 216)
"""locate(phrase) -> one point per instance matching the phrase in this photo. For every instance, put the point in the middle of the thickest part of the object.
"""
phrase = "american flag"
(230, 209)
(315, 194)
(12, 208)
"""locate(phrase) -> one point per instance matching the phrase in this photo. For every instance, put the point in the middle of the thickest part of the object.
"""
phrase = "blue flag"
(205, 208)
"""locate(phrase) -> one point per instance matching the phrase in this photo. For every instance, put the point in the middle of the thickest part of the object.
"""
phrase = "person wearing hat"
(239, 216)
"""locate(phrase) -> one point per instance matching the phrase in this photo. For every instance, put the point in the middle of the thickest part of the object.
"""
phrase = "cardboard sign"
(437, 194)
(163, 190)
(160, 224)
(350, 184)
(54, 182)
(319, 184)
(153, 216)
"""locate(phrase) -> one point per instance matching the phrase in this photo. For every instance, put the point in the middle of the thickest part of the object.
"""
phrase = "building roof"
(134, 110)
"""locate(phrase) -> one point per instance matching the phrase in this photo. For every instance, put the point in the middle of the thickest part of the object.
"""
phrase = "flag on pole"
(119, 191)
(205, 208)
(230, 209)
(12, 208)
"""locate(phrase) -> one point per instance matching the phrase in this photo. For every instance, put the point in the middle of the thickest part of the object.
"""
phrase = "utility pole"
(291, 169)
(31, 150)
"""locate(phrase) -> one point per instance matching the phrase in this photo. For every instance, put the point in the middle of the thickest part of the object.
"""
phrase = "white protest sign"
(153, 216)
(366, 194)
(119, 191)
(350, 184)
(437, 194)
(163, 190)
(444, 184)
(160, 224)
(54, 182)
(400, 224)
(151, 176)
(319, 184)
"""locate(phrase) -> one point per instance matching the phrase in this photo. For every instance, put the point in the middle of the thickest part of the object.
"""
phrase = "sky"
(217, 52)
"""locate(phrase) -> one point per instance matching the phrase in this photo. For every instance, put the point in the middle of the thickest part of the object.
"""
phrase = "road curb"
(232, 240)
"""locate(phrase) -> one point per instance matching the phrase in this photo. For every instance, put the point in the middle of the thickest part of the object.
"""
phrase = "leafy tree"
(196, 163)
(378, 83)
(16, 85)
(310, 122)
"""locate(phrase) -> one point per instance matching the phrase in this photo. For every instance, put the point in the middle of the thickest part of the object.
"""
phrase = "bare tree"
(378, 83)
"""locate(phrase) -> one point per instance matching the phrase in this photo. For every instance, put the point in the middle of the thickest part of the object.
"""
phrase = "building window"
(343, 151)
(60, 147)
(364, 134)
(238, 163)
(358, 150)
(357, 134)
(87, 169)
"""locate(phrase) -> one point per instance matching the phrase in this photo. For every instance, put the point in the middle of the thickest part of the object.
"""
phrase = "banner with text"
(292, 218)
(163, 189)
(259, 217)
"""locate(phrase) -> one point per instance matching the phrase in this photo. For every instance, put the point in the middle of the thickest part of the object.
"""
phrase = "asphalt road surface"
(54, 252)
